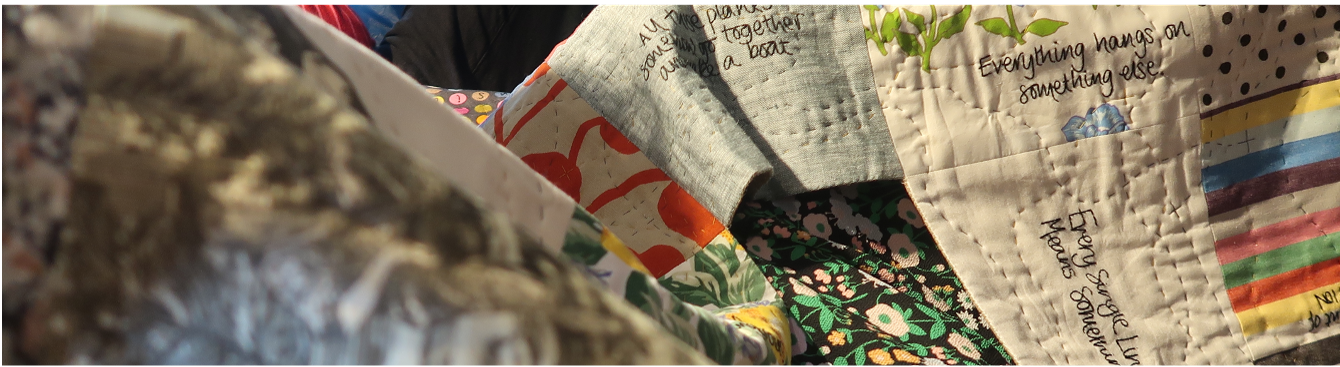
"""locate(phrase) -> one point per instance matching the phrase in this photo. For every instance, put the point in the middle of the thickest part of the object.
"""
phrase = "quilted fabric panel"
(1113, 166)
(559, 135)
(728, 98)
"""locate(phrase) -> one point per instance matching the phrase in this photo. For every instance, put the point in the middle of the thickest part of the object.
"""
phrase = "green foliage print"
(722, 275)
(1009, 29)
(929, 31)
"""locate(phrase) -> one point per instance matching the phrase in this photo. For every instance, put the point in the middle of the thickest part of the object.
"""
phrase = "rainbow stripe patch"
(1271, 176)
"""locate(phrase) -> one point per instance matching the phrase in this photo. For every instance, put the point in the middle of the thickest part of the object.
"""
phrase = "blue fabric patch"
(378, 19)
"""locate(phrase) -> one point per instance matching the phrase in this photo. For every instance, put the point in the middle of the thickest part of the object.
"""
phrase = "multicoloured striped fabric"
(1272, 186)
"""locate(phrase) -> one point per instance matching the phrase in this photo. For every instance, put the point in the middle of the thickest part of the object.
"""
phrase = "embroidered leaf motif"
(954, 24)
(859, 358)
(997, 26)
(810, 301)
(937, 330)
(825, 319)
(917, 20)
(916, 330)
(909, 43)
(1044, 27)
(889, 30)
(933, 313)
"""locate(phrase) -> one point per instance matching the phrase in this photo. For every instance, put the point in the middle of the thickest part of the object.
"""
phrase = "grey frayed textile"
(230, 204)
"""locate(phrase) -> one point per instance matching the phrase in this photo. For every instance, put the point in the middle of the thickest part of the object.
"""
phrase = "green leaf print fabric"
(861, 275)
(736, 318)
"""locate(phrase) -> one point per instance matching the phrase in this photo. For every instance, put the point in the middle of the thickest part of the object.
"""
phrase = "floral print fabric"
(862, 276)
(744, 327)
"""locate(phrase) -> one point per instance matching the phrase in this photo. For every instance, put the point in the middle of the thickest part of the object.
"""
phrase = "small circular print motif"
(1225, 68)
(1262, 8)
(1322, 57)
(480, 95)
(483, 108)
(1263, 55)
(1206, 99)
(1207, 51)
(456, 98)
(1299, 39)
(462, 110)
(1279, 72)
(1245, 88)
(1245, 39)
(1228, 18)
(1282, 24)
(1321, 11)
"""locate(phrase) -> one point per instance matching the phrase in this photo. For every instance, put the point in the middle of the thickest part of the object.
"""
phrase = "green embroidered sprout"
(1041, 27)
(931, 32)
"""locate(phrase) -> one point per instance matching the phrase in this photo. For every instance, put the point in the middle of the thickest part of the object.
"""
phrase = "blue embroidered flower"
(1103, 120)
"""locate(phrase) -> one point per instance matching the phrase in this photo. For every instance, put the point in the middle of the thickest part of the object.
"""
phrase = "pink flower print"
(964, 346)
(902, 251)
(801, 289)
(909, 213)
(818, 226)
(823, 288)
(846, 292)
(822, 276)
(886, 319)
(885, 275)
(812, 204)
(759, 247)
(879, 249)
(938, 351)
(842, 278)
(933, 300)
(781, 232)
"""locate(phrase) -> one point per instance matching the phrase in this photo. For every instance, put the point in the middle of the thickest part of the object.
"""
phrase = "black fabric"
(482, 47)
(1321, 352)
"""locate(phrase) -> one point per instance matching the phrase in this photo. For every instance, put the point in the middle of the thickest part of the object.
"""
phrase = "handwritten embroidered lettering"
(676, 40)
(1141, 66)
(1054, 242)
(1102, 322)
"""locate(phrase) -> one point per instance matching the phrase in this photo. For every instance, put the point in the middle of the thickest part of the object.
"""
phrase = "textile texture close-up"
(672, 184)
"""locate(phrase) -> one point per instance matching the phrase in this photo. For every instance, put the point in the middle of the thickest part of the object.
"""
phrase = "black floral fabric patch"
(862, 276)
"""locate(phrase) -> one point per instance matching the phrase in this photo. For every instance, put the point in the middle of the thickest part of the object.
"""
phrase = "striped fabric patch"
(1278, 154)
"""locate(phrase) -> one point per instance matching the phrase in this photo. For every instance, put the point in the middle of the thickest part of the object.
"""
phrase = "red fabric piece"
(344, 19)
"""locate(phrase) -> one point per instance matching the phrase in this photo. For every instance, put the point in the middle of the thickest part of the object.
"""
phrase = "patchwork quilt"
(872, 184)
(1111, 184)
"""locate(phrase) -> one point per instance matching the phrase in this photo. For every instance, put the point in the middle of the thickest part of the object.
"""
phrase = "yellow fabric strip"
(1291, 310)
(1265, 111)
(615, 246)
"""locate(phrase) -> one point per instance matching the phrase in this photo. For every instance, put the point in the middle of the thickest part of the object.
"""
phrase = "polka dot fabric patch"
(1261, 48)
(475, 105)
